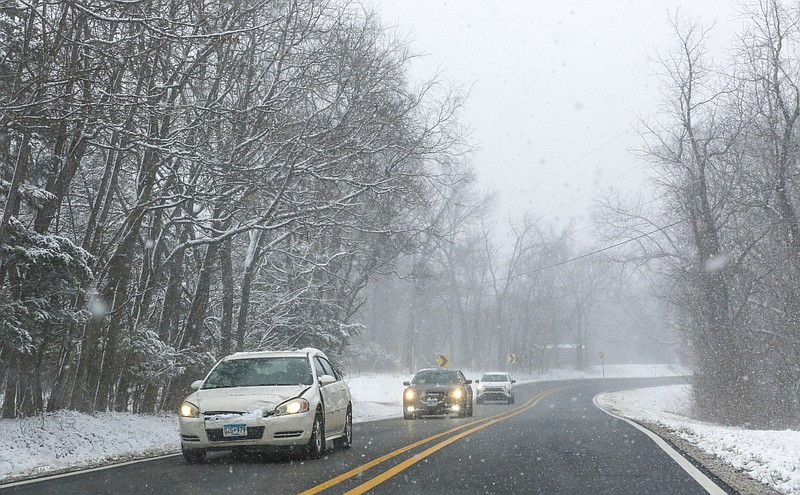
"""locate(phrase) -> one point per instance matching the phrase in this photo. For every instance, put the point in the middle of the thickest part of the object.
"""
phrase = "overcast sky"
(556, 87)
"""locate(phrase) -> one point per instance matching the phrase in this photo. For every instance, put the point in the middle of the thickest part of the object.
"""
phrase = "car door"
(340, 392)
(331, 396)
(466, 385)
(342, 395)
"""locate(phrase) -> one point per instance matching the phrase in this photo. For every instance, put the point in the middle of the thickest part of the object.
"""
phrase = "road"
(552, 441)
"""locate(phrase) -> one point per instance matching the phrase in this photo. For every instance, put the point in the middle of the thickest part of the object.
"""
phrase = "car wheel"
(470, 409)
(346, 441)
(316, 444)
(193, 456)
(511, 400)
(462, 411)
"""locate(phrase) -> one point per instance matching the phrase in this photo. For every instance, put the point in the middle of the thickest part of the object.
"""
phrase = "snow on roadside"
(379, 396)
(771, 457)
(65, 440)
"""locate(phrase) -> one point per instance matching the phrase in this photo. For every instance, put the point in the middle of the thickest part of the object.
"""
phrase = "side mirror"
(326, 379)
(196, 384)
(469, 381)
(477, 381)
(407, 384)
(513, 381)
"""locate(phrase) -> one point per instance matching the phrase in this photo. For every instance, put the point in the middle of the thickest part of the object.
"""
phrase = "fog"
(557, 98)
(624, 157)
(520, 185)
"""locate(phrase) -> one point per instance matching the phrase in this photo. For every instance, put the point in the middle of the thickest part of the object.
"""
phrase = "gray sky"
(556, 88)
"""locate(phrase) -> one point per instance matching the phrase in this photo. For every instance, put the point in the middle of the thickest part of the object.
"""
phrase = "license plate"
(432, 402)
(234, 430)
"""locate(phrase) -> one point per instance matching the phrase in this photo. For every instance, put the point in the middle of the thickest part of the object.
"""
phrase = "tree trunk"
(249, 270)
(11, 385)
(226, 324)
(20, 171)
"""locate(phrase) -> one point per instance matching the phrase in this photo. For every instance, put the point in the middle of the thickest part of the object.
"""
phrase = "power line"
(598, 251)
(609, 247)
(610, 181)
(587, 155)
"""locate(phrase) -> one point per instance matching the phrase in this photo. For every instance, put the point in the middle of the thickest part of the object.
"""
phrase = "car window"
(329, 370)
(495, 377)
(429, 377)
(320, 369)
(274, 371)
(336, 372)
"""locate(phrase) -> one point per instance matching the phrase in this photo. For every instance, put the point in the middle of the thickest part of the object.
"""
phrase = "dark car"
(437, 392)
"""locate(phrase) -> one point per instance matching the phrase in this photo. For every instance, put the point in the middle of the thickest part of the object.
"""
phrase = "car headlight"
(188, 410)
(409, 394)
(480, 387)
(293, 406)
(457, 393)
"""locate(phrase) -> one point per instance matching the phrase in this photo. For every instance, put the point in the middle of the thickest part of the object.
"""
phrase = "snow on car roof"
(292, 353)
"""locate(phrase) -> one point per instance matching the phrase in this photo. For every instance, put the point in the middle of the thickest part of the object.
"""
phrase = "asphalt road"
(552, 441)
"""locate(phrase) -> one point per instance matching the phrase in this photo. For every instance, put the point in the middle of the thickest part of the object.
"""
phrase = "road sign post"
(602, 363)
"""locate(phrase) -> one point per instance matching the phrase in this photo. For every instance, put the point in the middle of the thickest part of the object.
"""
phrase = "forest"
(186, 179)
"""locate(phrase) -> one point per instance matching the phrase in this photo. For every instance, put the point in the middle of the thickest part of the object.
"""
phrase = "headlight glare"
(188, 410)
(457, 393)
(409, 394)
(293, 406)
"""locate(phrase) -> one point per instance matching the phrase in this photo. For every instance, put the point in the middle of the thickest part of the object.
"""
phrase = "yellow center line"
(377, 480)
(378, 460)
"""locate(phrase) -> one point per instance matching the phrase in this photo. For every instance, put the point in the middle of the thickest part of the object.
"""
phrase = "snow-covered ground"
(771, 457)
(65, 440)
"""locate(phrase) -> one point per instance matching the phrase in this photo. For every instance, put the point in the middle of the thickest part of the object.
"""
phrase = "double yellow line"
(369, 484)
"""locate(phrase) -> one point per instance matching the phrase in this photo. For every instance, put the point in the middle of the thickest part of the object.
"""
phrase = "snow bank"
(65, 440)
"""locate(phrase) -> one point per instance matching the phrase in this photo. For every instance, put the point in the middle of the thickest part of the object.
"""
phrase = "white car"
(495, 386)
(253, 400)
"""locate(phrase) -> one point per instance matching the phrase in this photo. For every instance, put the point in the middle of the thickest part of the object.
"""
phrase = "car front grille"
(222, 413)
(435, 395)
(190, 438)
(253, 433)
(493, 389)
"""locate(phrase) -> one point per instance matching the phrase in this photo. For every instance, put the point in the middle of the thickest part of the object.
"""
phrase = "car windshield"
(255, 372)
(437, 377)
(495, 378)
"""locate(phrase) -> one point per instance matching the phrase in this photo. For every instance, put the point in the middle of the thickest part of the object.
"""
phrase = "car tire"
(511, 400)
(470, 409)
(316, 444)
(193, 456)
(346, 441)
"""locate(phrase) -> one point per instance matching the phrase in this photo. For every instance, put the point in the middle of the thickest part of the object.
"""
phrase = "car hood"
(243, 400)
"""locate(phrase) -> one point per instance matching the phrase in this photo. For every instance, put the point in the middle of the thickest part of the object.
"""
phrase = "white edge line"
(47, 477)
(687, 466)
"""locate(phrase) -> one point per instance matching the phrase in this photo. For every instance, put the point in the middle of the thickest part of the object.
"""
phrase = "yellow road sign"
(443, 360)
(512, 358)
